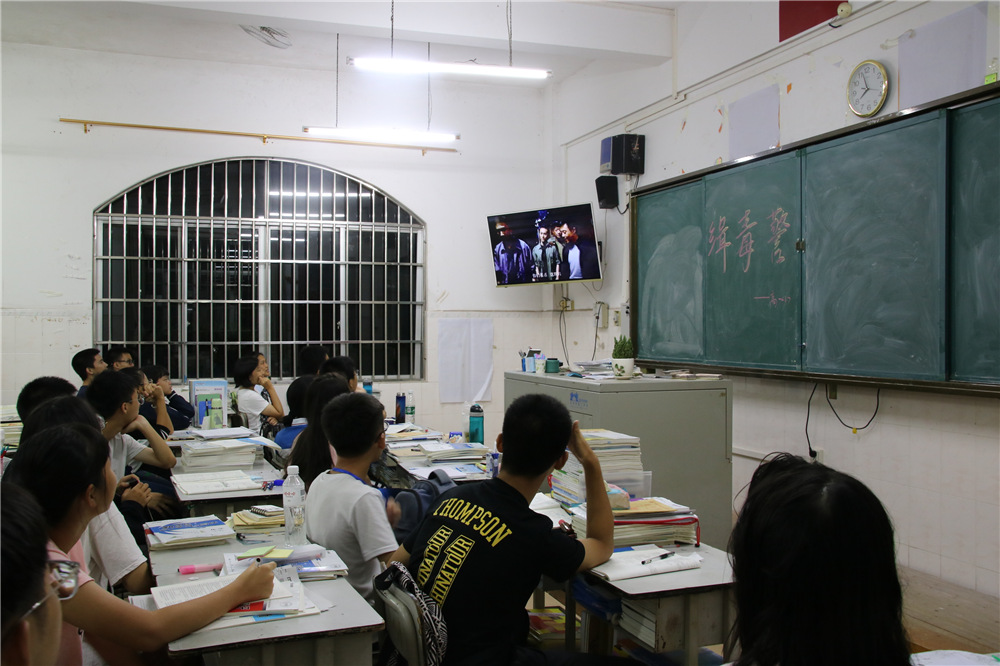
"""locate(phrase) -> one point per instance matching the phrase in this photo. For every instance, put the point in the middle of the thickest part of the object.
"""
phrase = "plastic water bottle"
(294, 499)
(476, 424)
(411, 408)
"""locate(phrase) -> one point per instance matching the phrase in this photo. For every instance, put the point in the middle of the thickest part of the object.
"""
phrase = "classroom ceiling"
(563, 36)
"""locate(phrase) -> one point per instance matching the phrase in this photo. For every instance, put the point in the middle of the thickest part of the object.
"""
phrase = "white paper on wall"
(943, 58)
(465, 360)
(753, 123)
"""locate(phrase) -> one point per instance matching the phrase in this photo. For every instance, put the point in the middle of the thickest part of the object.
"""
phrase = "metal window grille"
(194, 267)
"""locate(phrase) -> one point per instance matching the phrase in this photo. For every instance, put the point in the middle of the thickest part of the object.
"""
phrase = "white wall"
(932, 459)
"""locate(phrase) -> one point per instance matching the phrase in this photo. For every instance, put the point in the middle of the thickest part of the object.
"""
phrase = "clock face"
(867, 88)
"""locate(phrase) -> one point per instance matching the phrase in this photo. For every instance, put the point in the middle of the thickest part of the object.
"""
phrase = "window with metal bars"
(197, 266)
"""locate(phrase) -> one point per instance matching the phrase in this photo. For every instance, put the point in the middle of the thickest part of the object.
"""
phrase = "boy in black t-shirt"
(481, 551)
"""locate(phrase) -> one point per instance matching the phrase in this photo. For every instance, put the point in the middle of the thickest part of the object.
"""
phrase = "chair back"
(402, 622)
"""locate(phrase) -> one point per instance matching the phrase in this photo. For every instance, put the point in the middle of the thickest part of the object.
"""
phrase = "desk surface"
(715, 572)
(350, 613)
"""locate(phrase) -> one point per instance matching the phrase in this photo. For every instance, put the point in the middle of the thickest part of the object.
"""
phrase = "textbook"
(215, 453)
(186, 532)
(198, 483)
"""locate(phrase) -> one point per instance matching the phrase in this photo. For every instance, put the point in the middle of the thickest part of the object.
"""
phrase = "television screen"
(545, 246)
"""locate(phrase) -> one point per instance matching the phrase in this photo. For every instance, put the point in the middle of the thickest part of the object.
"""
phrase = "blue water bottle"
(400, 408)
(476, 424)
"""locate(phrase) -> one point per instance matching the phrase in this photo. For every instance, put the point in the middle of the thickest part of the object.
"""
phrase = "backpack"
(414, 502)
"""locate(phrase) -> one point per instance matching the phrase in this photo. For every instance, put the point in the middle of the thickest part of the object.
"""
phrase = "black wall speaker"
(607, 191)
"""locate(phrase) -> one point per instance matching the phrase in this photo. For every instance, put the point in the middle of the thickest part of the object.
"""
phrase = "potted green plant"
(623, 357)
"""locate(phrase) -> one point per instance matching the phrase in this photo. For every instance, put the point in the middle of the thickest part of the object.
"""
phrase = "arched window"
(197, 265)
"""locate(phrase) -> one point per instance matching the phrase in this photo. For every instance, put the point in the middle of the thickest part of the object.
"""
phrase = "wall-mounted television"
(549, 245)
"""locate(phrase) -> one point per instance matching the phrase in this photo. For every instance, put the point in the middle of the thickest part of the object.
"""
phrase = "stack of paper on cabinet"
(186, 532)
(199, 483)
(648, 520)
(215, 453)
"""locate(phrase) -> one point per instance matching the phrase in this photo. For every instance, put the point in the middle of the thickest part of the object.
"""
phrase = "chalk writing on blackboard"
(746, 238)
(717, 240)
(773, 300)
(779, 225)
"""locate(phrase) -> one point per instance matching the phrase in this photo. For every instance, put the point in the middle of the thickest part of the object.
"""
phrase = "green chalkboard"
(897, 275)
(670, 249)
(752, 267)
(975, 249)
(874, 211)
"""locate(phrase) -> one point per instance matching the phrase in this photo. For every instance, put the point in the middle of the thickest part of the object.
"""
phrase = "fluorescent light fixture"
(404, 66)
(381, 135)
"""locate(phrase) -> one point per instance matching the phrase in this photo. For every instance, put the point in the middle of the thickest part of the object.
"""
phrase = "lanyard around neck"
(344, 471)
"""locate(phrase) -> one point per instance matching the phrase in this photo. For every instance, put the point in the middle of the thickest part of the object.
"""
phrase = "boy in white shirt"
(343, 511)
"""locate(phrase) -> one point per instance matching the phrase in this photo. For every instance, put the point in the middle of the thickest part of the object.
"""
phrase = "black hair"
(352, 423)
(84, 360)
(23, 553)
(343, 365)
(312, 451)
(115, 353)
(109, 391)
(814, 569)
(536, 432)
(60, 411)
(59, 463)
(38, 391)
(136, 375)
(311, 358)
(155, 372)
(243, 369)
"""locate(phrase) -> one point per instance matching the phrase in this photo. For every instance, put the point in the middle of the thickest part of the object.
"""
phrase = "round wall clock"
(867, 88)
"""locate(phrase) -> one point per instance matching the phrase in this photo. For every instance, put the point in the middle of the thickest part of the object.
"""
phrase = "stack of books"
(216, 453)
(200, 483)
(619, 455)
(259, 519)
(547, 626)
(647, 520)
(186, 532)
(454, 452)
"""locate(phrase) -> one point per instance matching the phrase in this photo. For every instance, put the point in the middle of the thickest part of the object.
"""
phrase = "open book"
(629, 563)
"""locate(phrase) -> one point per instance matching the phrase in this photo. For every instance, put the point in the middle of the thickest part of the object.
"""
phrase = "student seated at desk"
(344, 366)
(152, 402)
(311, 450)
(112, 544)
(248, 373)
(31, 586)
(178, 408)
(814, 571)
(71, 495)
(481, 551)
(343, 511)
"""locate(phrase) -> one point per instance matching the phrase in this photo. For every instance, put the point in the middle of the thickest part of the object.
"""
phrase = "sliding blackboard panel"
(753, 278)
(874, 206)
(670, 256)
(975, 251)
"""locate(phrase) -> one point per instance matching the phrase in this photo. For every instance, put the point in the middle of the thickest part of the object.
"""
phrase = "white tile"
(988, 414)
(924, 514)
(896, 500)
(988, 469)
(958, 529)
(895, 458)
(924, 561)
(959, 573)
(925, 460)
(959, 465)
(988, 582)
(988, 536)
(902, 555)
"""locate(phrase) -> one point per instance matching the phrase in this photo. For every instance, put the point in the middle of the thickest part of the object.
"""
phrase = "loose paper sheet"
(465, 360)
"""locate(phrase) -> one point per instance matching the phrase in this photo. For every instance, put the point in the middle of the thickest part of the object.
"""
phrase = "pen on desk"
(198, 568)
(659, 557)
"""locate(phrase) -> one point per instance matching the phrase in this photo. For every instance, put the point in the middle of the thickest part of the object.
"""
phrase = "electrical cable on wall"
(812, 453)
(855, 429)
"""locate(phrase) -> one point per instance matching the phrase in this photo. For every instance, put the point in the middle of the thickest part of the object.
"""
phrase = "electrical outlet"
(831, 391)
(566, 305)
(819, 454)
(601, 314)
(616, 317)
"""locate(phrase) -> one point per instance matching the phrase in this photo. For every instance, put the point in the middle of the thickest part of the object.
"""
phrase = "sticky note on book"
(255, 552)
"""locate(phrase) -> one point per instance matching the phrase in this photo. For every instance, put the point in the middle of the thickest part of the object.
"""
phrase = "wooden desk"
(342, 634)
(225, 503)
(693, 608)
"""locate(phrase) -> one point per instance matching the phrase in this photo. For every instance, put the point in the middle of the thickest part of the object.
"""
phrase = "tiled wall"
(933, 460)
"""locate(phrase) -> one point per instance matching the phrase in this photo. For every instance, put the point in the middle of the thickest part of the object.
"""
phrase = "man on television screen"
(511, 257)
(579, 255)
(546, 256)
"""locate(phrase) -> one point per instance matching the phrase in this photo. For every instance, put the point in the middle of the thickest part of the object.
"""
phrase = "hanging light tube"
(381, 135)
(405, 66)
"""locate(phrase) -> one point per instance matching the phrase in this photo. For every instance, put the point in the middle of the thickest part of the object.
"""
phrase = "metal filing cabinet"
(685, 427)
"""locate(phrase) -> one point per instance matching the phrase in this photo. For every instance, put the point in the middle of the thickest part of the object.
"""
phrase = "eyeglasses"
(63, 584)
(141, 398)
